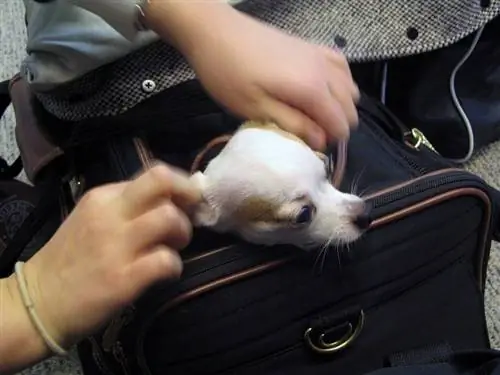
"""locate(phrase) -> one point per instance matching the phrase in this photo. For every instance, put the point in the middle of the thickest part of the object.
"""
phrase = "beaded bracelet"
(30, 307)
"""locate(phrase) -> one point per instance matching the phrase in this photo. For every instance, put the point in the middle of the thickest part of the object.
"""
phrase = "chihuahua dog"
(270, 187)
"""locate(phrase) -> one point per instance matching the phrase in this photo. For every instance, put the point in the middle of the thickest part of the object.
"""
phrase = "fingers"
(296, 122)
(162, 263)
(339, 61)
(346, 102)
(155, 185)
(165, 224)
(334, 109)
(329, 112)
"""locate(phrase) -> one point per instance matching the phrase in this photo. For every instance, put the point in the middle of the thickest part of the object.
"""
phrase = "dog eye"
(305, 214)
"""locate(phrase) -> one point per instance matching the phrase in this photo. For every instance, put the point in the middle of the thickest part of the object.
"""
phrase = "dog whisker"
(325, 253)
(356, 180)
(322, 255)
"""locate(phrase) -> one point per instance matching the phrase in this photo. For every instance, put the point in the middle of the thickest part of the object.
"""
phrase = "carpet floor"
(12, 43)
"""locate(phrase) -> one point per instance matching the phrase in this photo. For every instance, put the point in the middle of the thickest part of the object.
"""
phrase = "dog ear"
(204, 215)
(322, 156)
(327, 161)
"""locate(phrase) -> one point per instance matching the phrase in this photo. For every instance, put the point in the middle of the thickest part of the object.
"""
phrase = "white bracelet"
(30, 307)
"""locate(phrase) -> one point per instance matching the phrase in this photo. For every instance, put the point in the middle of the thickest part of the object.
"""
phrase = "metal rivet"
(412, 33)
(148, 85)
(485, 3)
(340, 41)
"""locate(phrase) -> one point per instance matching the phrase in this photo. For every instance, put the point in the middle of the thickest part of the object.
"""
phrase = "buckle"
(322, 340)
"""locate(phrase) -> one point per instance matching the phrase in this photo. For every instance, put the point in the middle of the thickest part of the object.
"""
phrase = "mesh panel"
(366, 30)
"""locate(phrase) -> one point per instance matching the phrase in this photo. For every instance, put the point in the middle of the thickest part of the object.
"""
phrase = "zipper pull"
(419, 139)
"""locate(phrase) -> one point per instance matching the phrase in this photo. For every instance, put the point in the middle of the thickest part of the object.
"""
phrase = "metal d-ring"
(323, 347)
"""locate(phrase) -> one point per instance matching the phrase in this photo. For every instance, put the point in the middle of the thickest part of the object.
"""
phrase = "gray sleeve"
(122, 15)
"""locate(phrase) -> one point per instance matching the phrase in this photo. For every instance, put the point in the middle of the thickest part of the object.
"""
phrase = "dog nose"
(363, 220)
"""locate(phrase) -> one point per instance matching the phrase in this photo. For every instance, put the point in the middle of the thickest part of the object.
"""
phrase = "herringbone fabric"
(365, 30)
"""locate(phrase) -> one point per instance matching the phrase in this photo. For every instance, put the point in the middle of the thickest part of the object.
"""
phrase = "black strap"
(7, 171)
(37, 217)
(433, 353)
(4, 96)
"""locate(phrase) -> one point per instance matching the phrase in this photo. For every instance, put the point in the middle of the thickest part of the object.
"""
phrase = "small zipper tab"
(417, 139)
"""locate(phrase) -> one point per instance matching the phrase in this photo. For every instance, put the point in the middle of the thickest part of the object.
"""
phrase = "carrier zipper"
(404, 189)
(382, 197)
(426, 182)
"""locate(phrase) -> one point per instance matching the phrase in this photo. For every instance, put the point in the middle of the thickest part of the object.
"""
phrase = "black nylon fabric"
(417, 280)
(425, 98)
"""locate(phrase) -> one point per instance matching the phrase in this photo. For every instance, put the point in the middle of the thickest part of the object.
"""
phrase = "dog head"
(269, 187)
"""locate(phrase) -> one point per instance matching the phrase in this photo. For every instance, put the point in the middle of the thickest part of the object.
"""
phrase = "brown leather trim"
(238, 276)
(214, 142)
(35, 149)
(376, 224)
(409, 182)
(340, 164)
(338, 172)
(207, 254)
(442, 198)
(429, 202)
(199, 291)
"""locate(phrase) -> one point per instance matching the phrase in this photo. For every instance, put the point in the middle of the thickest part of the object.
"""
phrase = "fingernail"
(317, 139)
(176, 264)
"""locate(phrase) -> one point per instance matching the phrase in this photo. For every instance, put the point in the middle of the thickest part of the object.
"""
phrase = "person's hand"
(261, 73)
(119, 240)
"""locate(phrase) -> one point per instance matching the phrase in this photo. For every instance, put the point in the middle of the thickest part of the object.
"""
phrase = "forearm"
(20, 343)
(186, 23)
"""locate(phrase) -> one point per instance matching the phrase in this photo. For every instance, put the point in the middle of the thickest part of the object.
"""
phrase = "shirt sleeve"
(122, 15)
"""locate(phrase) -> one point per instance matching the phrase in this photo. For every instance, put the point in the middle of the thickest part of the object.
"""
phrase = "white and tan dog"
(269, 187)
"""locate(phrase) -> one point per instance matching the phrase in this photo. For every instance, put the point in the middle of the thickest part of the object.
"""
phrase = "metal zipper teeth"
(427, 182)
(400, 191)
(391, 189)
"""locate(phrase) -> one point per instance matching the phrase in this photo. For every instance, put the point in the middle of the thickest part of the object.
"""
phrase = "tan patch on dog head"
(254, 209)
(271, 126)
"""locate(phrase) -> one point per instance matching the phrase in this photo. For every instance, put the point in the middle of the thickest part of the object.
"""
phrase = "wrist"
(184, 24)
(42, 295)
(17, 331)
